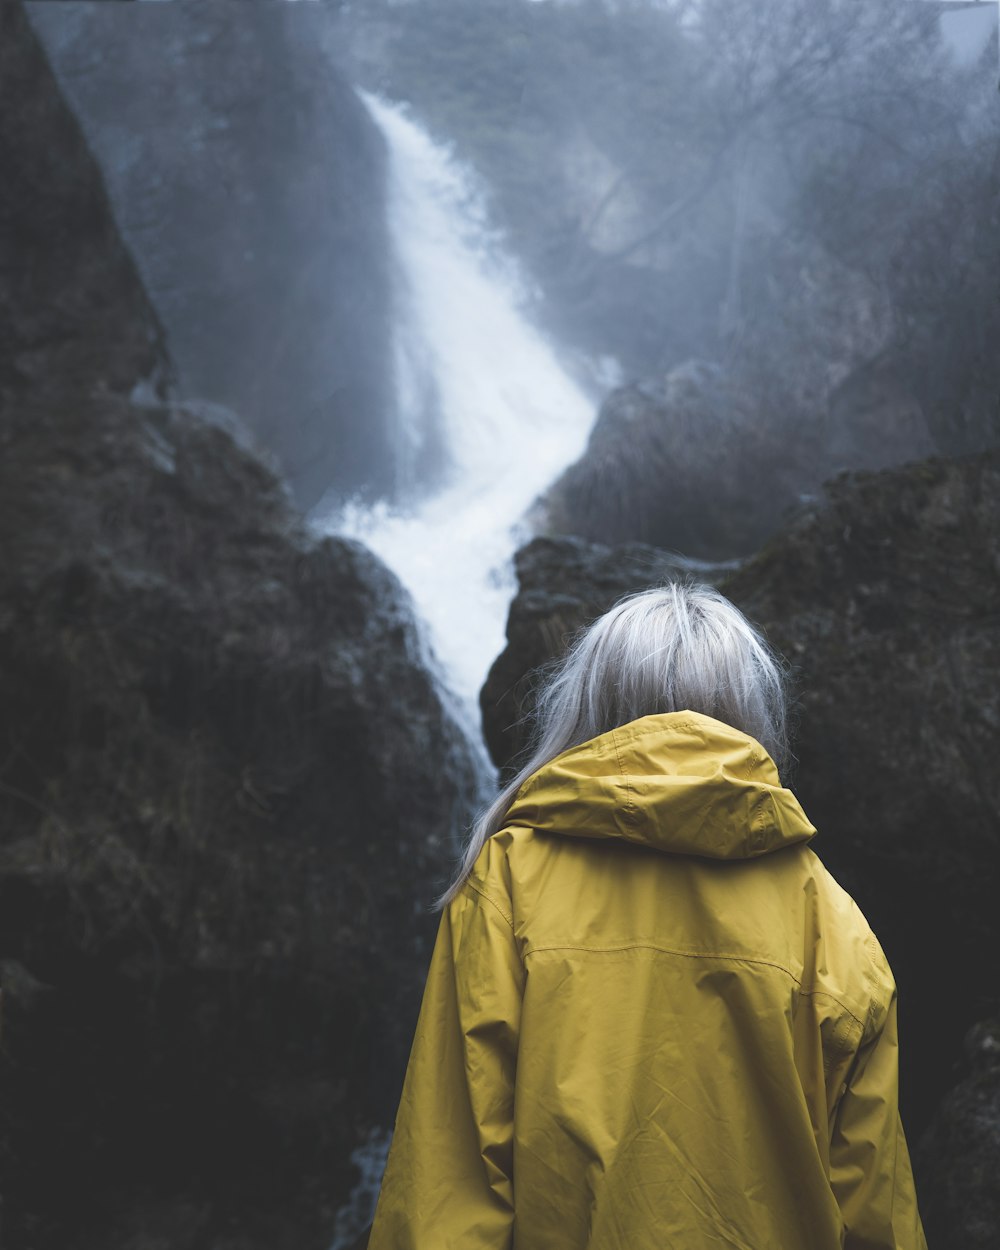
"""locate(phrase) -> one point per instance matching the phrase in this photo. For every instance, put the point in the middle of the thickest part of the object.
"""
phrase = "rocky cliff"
(247, 180)
(885, 599)
(72, 309)
(686, 464)
(227, 783)
(227, 796)
(695, 463)
(957, 1163)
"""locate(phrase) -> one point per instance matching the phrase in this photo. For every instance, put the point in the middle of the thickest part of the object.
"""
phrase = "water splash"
(508, 416)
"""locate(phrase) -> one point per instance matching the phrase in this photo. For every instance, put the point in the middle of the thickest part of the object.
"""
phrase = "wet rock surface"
(684, 464)
(694, 462)
(248, 181)
(227, 795)
(958, 1160)
(886, 600)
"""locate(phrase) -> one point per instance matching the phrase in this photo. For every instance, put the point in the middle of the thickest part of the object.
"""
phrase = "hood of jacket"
(679, 782)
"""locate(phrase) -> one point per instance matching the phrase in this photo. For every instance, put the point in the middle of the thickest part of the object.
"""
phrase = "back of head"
(677, 648)
(680, 647)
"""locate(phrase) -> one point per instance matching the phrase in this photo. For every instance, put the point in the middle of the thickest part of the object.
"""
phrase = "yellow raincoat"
(652, 1020)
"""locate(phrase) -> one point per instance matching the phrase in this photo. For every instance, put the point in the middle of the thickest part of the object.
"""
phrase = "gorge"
(333, 343)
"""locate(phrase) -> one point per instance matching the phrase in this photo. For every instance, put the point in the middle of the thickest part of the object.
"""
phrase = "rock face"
(694, 464)
(685, 465)
(227, 784)
(885, 598)
(227, 795)
(247, 179)
(72, 308)
(958, 1160)
(563, 584)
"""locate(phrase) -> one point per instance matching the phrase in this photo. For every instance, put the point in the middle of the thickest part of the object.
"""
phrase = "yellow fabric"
(652, 1020)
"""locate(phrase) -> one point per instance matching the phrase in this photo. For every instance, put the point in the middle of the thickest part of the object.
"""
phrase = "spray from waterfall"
(472, 372)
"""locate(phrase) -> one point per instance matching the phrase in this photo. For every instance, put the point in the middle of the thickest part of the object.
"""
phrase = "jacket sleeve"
(869, 1164)
(449, 1181)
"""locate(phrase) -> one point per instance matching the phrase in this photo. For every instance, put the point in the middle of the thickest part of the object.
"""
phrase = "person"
(652, 1018)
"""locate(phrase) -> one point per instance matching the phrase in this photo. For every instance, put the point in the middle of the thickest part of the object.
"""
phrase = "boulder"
(686, 464)
(248, 181)
(229, 793)
(957, 1163)
(712, 463)
(885, 599)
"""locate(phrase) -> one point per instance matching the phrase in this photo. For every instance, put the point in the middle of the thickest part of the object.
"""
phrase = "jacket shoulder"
(490, 877)
(847, 921)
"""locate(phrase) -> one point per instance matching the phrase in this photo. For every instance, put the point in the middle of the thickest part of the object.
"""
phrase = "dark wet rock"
(563, 584)
(958, 1161)
(72, 308)
(875, 421)
(248, 181)
(227, 792)
(686, 465)
(712, 465)
(886, 600)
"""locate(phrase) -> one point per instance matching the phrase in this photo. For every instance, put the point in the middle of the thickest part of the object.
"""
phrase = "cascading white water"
(510, 418)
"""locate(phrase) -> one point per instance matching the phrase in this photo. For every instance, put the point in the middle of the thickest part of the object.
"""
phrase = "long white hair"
(680, 647)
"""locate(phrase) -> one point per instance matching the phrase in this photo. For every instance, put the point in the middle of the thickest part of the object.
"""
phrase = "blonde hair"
(680, 647)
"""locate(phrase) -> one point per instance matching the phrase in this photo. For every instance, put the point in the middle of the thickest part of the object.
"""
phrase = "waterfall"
(505, 414)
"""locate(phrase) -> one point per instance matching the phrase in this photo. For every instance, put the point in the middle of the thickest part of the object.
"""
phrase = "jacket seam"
(666, 950)
(482, 894)
(874, 998)
(751, 763)
(842, 1039)
(629, 804)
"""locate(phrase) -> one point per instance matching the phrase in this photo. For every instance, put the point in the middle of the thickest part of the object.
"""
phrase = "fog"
(758, 186)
